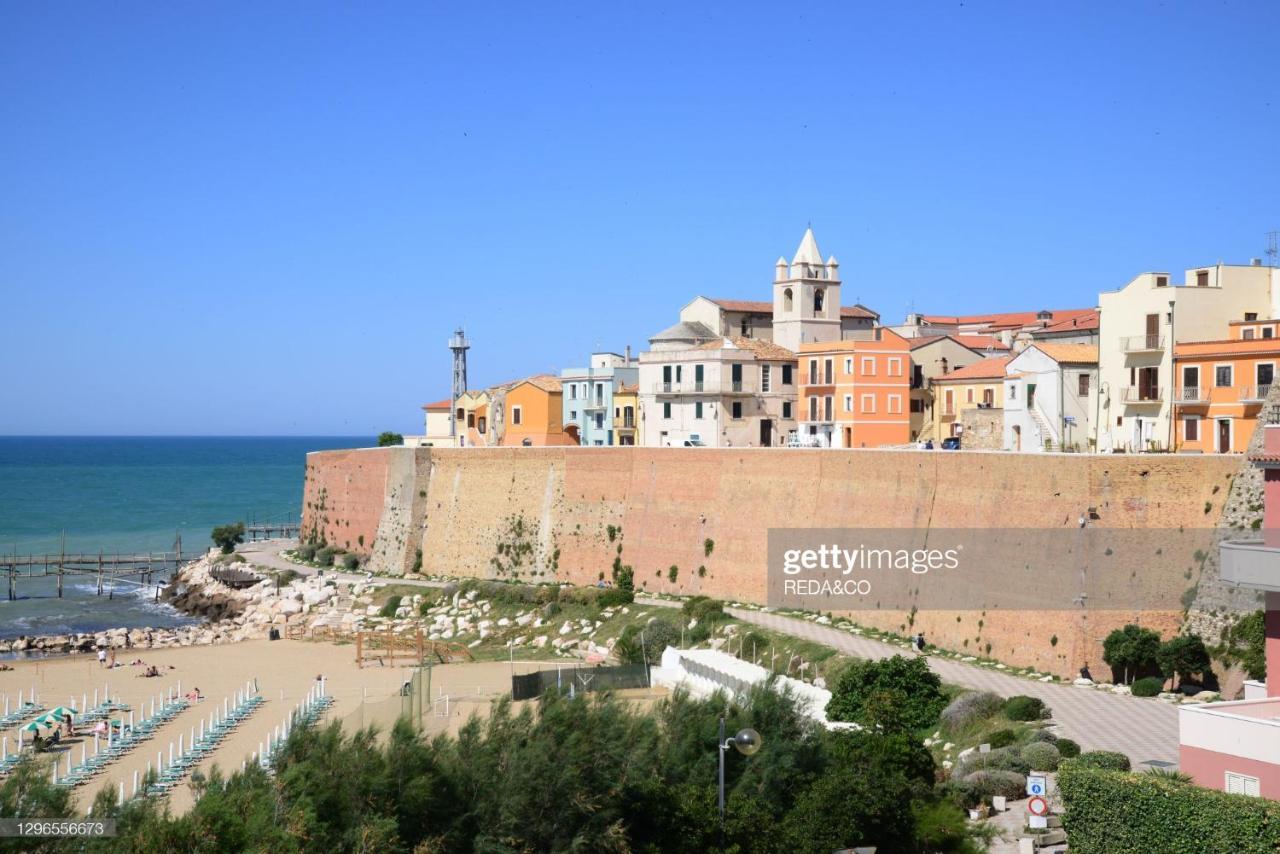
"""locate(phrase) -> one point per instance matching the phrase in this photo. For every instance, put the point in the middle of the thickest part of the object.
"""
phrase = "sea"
(133, 494)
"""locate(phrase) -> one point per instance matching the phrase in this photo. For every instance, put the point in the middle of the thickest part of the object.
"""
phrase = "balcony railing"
(702, 387)
(1143, 343)
(599, 404)
(1250, 563)
(1140, 394)
(1192, 394)
(1254, 393)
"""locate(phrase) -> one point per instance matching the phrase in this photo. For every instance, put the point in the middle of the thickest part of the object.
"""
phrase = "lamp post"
(747, 742)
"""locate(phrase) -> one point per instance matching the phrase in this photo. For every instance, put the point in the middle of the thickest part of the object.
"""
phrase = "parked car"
(951, 443)
(694, 442)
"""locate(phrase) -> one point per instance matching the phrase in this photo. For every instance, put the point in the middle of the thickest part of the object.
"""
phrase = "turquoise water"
(130, 494)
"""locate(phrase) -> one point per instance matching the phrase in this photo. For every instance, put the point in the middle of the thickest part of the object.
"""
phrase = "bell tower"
(806, 297)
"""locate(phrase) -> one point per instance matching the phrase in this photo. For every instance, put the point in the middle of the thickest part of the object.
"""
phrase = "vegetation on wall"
(388, 439)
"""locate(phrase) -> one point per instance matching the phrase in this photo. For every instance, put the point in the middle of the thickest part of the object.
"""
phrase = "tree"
(1132, 649)
(1247, 644)
(387, 439)
(227, 537)
(1183, 656)
(894, 694)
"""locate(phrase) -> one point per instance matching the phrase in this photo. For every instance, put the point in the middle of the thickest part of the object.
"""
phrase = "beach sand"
(285, 670)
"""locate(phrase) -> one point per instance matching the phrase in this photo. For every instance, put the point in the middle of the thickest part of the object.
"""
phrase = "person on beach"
(112, 665)
(102, 657)
(68, 725)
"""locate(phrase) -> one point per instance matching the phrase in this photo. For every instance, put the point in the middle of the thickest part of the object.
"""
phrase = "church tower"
(806, 297)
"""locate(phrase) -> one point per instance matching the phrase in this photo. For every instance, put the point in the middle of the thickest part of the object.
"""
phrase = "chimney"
(628, 356)
(1255, 262)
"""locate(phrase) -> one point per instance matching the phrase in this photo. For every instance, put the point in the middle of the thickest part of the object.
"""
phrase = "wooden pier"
(110, 570)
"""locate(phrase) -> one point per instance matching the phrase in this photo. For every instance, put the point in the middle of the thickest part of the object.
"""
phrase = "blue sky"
(267, 218)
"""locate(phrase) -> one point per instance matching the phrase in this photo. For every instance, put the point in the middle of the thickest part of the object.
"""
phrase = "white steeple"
(808, 252)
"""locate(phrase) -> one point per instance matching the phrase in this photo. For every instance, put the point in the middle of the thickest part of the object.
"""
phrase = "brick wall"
(545, 514)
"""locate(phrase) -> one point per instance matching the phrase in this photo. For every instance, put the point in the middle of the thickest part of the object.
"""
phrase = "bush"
(1067, 748)
(350, 562)
(637, 644)
(962, 793)
(1108, 760)
(1131, 650)
(970, 708)
(390, 607)
(324, 556)
(306, 551)
(1041, 756)
(1112, 813)
(1246, 644)
(1183, 656)
(996, 759)
(1002, 738)
(227, 537)
(1042, 735)
(1147, 686)
(704, 609)
(614, 598)
(387, 439)
(894, 694)
(1024, 708)
(1011, 784)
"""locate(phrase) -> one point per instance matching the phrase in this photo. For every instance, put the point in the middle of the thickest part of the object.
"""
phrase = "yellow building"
(626, 415)
(980, 385)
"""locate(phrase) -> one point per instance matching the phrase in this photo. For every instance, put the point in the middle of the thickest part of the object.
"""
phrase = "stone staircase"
(1045, 433)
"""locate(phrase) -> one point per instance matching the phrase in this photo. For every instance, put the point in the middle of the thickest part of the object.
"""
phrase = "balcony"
(1254, 393)
(1144, 343)
(700, 387)
(1188, 395)
(1250, 563)
(1141, 394)
(598, 404)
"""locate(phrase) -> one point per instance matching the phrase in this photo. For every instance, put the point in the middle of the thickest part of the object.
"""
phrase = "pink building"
(1235, 746)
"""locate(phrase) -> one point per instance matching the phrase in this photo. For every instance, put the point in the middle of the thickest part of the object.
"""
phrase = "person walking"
(102, 656)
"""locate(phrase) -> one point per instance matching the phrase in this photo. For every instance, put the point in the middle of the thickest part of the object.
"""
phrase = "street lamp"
(747, 742)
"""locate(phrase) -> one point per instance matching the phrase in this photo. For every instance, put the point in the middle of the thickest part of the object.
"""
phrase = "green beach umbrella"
(60, 711)
(37, 725)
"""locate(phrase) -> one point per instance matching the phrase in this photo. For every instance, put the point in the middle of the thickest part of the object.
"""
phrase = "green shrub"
(1183, 656)
(1042, 735)
(637, 644)
(614, 597)
(1147, 686)
(970, 708)
(1041, 756)
(1246, 645)
(704, 609)
(1108, 760)
(697, 634)
(227, 537)
(1114, 813)
(1011, 784)
(350, 562)
(306, 551)
(995, 759)
(1002, 738)
(962, 793)
(1067, 748)
(324, 556)
(1024, 708)
(1131, 649)
(390, 606)
(893, 694)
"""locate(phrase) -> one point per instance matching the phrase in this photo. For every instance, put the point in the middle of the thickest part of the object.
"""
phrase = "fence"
(576, 679)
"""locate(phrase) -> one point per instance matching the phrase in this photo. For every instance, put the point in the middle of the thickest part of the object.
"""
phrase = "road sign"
(1038, 806)
(1070, 419)
(1037, 785)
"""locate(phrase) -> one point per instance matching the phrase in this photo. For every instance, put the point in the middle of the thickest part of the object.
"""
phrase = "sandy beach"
(285, 670)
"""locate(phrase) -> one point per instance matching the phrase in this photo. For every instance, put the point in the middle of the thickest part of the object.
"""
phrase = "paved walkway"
(1143, 729)
(266, 553)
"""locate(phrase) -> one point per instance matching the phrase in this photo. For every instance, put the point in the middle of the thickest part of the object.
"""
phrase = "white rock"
(566, 628)
(1083, 683)
(540, 641)
(1121, 689)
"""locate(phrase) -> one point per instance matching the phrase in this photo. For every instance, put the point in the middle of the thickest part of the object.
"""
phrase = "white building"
(1050, 393)
(1138, 326)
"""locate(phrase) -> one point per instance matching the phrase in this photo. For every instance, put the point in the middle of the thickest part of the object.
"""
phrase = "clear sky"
(266, 218)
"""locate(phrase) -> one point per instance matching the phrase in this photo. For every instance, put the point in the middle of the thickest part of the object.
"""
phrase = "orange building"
(532, 414)
(855, 394)
(1221, 386)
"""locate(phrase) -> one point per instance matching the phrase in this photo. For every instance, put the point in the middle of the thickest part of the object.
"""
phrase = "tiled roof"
(445, 404)
(987, 369)
(1229, 347)
(977, 343)
(546, 382)
(758, 307)
(629, 389)
(1069, 354)
(1081, 322)
(1007, 319)
(762, 349)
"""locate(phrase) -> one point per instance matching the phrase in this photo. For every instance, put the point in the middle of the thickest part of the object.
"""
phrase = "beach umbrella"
(62, 710)
(37, 725)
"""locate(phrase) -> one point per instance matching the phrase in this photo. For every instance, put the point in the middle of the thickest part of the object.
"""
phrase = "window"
(1191, 378)
(1202, 278)
(827, 408)
(813, 408)
(869, 403)
(848, 403)
(481, 424)
(765, 378)
(1191, 429)
(1247, 334)
(573, 415)
(1162, 281)
(737, 409)
(917, 405)
(1268, 331)
(786, 409)
(949, 408)
(828, 368)
(1250, 315)
(917, 376)
(786, 375)
(786, 300)
(666, 409)
(968, 398)
(745, 328)
(599, 420)
(1222, 376)
(1242, 784)
(573, 391)
(848, 366)
(819, 297)
(813, 372)
(697, 377)
(1013, 392)
(868, 366)
(895, 366)
(462, 414)
(1265, 372)
(679, 372)
(988, 397)
(471, 419)
(697, 409)
(895, 404)
(1082, 385)
(515, 415)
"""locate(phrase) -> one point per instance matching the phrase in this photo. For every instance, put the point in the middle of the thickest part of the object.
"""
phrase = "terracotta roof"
(445, 404)
(977, 343)
(758, 307)
(1228, 347)
(1004, 319)
(629, 389)
(1086, 321)
(546, 382)
(987, 369)
(762, 349)
(1069, 354)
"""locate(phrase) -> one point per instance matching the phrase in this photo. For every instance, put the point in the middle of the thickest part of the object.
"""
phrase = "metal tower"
(459, 345)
